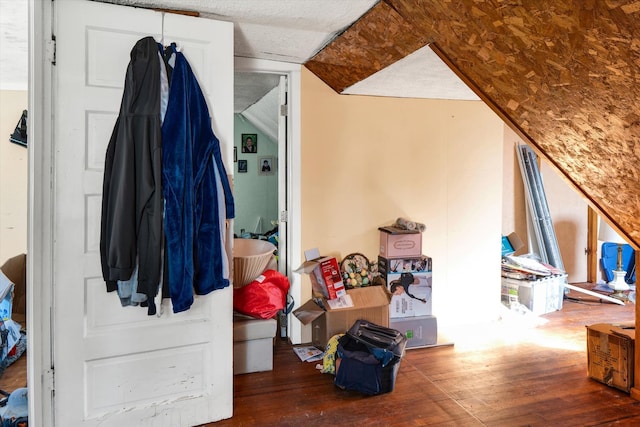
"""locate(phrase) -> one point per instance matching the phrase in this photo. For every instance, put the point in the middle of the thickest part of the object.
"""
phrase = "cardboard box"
(369, 303)
(540, 296)
(418, 303)
(402, 265)
(397, 242)
(253, 344)
(420, 331)
(510, 244)
(14, 280)
(325, 275)
(610, 355)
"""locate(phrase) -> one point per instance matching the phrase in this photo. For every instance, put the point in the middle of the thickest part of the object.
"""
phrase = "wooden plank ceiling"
(563, 74)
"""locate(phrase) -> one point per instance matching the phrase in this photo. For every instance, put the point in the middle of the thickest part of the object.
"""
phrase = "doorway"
(256, 159)
(287, 173)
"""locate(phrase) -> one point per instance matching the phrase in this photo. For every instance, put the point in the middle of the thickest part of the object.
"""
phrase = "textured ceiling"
(281, 30)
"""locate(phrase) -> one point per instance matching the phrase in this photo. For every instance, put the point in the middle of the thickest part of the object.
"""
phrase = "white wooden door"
(114, 365)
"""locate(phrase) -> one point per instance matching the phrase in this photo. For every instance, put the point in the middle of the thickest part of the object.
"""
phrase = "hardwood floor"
(507, 373)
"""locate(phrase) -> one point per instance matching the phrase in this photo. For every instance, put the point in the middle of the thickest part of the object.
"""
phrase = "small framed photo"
(266, 165)
(249, 143)
(235, 154)
(242, 166)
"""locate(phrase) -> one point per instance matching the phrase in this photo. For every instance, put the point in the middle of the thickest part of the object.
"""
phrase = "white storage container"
(540, 296)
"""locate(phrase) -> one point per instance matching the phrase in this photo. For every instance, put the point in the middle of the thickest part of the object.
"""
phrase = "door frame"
(292, 169)
(40, 214)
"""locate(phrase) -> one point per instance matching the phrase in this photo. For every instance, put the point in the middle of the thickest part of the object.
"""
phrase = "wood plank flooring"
(506, 373)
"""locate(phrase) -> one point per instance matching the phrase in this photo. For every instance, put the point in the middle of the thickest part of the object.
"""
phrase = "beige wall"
(368, 160)
(513, 203)
(13, 177)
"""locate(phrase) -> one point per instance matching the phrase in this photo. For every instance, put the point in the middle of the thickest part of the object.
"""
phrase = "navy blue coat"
(192, 175)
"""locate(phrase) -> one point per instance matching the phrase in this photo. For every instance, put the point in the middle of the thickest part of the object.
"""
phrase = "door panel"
(116, 365)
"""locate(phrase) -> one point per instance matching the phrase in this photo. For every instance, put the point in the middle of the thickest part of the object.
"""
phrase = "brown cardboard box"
(610, 353)
(369, 303)
(324, 272)
(15, 269)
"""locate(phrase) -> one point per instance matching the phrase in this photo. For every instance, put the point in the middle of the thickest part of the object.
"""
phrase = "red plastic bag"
(263, 297)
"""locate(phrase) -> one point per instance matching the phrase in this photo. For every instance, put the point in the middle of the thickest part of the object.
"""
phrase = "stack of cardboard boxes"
(408, 277)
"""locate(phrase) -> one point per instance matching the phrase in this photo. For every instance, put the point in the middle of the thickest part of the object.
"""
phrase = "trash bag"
(263, 297)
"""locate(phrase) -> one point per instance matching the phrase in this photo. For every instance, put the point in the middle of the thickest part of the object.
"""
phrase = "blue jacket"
(193, 175)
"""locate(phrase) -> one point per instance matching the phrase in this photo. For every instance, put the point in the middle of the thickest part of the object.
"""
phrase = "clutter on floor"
(364, 314)
(15, 410)
(527, 282)
(13, 306)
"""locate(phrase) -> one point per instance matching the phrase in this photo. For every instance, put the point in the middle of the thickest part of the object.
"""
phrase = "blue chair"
(609, 260)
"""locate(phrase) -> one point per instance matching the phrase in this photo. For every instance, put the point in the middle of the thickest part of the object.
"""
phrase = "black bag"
(378, 337)
(370, 358)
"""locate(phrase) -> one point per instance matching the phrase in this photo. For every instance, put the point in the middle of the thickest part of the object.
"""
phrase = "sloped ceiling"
(563, 74)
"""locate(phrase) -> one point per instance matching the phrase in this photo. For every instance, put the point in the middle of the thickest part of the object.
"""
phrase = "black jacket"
(131, 227)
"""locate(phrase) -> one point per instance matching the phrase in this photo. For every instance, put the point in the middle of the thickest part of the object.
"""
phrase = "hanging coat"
(131, 228)
(193, 178)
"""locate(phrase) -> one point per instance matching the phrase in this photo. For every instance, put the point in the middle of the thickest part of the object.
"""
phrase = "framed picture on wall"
(266, 165)
(242, 166)
(249, 143)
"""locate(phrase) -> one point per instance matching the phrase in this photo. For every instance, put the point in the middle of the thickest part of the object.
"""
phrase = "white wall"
(13, 177)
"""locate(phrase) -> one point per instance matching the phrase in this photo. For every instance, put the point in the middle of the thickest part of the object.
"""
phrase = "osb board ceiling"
(375, 41)
(563, 74)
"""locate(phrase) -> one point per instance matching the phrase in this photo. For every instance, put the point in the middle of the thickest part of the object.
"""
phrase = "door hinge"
(48, 380)
(284, 216)
(51, 50)
(283, 110)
